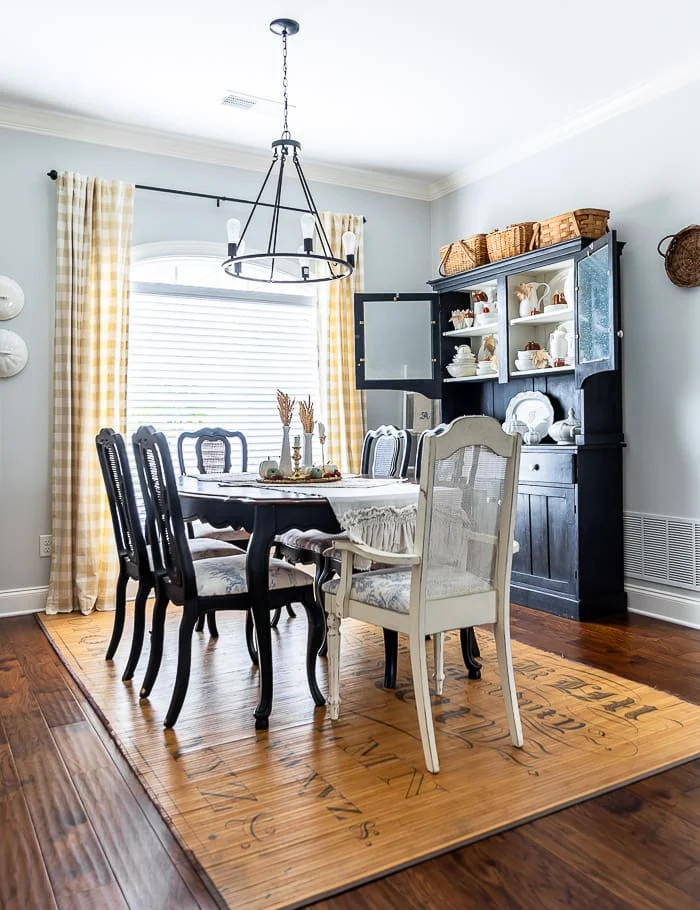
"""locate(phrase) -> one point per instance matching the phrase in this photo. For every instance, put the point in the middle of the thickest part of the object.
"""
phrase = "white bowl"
(458, 370)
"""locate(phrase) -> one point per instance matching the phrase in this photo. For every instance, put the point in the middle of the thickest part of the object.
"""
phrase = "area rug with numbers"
(310, 807)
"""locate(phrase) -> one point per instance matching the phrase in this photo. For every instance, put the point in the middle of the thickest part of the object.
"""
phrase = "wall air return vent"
(662, 549)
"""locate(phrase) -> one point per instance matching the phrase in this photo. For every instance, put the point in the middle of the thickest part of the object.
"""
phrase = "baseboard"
(683, 609)
(23, 600)
(678, 607)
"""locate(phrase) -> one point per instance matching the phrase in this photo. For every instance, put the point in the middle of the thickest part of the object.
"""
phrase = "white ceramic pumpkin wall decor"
(13, 353)
(11, 298)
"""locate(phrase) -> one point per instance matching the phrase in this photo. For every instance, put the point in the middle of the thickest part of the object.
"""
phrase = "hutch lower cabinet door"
(569, 530)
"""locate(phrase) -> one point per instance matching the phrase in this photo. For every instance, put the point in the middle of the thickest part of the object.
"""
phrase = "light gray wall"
(396, 258)
(645, 167)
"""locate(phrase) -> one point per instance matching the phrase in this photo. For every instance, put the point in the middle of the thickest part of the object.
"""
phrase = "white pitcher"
(558, 345)
(530, 296)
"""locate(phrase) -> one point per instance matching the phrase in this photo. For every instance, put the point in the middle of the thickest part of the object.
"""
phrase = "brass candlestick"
(296, 458)
(322, 440)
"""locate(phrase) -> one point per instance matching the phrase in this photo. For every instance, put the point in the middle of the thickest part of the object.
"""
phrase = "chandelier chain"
(285, 131)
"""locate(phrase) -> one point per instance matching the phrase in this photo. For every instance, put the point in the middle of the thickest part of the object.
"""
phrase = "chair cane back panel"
(166, 529)
(119, 485)
(208, 451)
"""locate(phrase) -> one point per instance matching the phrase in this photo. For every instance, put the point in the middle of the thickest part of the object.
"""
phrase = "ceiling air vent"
(240, 102)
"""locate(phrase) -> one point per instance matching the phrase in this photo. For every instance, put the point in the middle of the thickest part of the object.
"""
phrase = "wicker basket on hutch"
(590, 223)
(513, 241)
(463, 255)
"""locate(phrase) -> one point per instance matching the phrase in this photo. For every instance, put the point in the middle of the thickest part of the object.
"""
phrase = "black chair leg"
(391, 651)
(316, 634)
(211, 623)
(119, 614)
(475, 644)
(184, 660)
(250, 637)
(157, 635)
(144, 590)
(470, 650)
(199, 625)
(275, 618)
(290, 612)
(324, 570)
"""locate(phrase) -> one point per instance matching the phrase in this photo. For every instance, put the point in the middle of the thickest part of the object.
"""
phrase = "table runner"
(377, 511)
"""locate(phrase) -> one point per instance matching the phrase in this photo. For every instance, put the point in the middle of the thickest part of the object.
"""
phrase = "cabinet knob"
(533, 467)
(620, 333)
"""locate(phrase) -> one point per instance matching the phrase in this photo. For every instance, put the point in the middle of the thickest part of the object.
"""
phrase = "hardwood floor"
(80, 832)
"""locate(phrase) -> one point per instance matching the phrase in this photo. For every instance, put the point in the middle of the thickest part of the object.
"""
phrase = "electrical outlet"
(44, 545)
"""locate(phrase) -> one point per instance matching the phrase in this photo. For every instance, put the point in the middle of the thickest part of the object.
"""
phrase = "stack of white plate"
(486, 368)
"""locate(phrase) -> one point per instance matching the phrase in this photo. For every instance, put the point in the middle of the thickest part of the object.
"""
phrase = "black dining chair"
(208, 451)
(134, 555)
(207, 586)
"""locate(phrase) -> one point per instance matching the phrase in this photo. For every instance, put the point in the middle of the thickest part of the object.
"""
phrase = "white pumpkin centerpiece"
(268, 467)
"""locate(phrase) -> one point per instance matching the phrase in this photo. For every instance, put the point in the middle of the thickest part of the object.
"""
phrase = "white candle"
(321, 429)
(297, 440)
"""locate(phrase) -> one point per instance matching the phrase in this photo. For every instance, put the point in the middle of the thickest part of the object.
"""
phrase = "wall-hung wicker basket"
(463, 255)
(682, 258)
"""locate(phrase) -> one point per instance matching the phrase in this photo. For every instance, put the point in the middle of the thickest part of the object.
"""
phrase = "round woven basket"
(682, 258)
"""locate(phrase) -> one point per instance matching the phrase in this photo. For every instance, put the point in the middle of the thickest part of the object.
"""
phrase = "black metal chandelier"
(313, 261)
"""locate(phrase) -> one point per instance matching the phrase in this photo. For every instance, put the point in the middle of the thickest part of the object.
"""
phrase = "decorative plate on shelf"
(529, 411)
(11, 298)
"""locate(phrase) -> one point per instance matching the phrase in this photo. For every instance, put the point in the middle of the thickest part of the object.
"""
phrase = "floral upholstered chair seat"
(227, 575)
(390, 589)
(313, 540)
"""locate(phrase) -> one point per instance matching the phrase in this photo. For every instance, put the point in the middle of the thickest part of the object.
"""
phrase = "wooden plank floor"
(85, 834)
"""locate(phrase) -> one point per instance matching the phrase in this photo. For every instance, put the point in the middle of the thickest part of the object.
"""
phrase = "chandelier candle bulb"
(233, 232)
(308, 225)
(348, 241)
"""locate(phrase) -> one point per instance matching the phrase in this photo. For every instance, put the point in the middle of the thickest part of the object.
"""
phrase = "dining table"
(268, 509)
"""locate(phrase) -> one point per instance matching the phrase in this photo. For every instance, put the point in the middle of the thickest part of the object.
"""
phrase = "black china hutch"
(569, 514)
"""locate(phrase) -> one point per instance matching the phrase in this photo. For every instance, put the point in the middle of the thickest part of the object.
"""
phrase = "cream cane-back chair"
(459, 572)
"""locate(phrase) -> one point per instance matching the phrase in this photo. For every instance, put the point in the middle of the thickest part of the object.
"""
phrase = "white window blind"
(213, 357)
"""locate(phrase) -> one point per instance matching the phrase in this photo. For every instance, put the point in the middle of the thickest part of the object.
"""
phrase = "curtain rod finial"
(52, 174)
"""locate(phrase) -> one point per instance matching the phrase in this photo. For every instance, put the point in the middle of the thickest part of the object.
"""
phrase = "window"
(205, 351)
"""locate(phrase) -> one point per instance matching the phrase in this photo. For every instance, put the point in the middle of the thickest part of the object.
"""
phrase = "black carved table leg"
(257, 568)
(470, 652)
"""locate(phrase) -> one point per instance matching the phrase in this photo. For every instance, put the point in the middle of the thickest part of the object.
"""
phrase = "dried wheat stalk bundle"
(306, 415)
(285, 406)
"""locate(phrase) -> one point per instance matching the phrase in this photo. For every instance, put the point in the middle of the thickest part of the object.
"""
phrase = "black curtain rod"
(219, 199)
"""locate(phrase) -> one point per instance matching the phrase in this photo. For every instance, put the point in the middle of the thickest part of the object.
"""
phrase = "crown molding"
(175, 145)
(620, 103)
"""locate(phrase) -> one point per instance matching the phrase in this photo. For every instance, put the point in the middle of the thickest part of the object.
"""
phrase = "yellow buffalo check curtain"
(93, 250)
(343, 406)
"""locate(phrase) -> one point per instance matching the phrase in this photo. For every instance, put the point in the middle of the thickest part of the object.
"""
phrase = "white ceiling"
(413, 89)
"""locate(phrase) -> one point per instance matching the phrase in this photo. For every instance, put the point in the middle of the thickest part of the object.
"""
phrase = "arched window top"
(195, 264)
